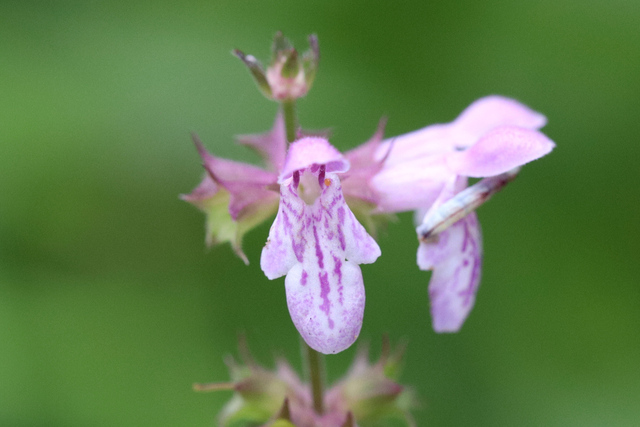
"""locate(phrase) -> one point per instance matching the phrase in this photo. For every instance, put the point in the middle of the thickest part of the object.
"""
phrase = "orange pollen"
(327, 182)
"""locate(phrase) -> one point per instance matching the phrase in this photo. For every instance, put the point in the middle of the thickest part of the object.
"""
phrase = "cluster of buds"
(367, 395)
(289, 76)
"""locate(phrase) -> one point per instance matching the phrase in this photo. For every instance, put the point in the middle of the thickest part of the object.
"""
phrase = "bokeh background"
(110, 305)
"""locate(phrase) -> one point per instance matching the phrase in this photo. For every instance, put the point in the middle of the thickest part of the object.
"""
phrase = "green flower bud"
(289, 76)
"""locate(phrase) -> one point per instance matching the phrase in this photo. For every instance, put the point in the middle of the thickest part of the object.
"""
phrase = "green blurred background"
(110, 305)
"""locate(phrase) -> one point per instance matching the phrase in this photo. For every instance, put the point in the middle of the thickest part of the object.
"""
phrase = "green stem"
(290, 119)
(316, 376)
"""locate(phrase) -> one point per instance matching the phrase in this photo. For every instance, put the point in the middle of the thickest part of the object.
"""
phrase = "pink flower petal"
(427, 142)
(477, 119)
(456, 260)
(319, 248)
(410, 185)
(418, 163)
(223, 170)
(364, 166)
(489, 113)
(310, 151)
(327, 312)
(500, 150)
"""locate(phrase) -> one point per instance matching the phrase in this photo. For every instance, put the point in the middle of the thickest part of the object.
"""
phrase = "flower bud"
(368, 395)
(370, 392)
(290, 75)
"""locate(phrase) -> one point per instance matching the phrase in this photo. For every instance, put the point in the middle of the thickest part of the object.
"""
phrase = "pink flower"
(428, 167)
(316, 240)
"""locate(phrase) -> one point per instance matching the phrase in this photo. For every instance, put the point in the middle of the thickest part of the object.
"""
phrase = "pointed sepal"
(311, 60)
(256, 70)
(261, 396)
(235, 198)
(271, 145)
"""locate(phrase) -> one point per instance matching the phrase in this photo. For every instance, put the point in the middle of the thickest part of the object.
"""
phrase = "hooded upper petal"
(477, 119)
(310, 151)
(500, 150)
(418, 164)
(489, 113)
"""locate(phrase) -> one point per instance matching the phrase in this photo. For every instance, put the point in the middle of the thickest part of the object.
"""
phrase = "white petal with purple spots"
(319, 246)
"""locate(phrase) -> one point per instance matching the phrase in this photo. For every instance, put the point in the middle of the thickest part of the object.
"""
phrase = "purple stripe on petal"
(337, 199)
(341, 238)
(337, 269)
(298, 249)
(319, 254)
(466, 238)
(321, 173)
(325, 288)
(296, 179)
(287, 222)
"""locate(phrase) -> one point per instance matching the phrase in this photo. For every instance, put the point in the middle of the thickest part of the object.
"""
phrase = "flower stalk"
(315, 367)
(290, 119)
